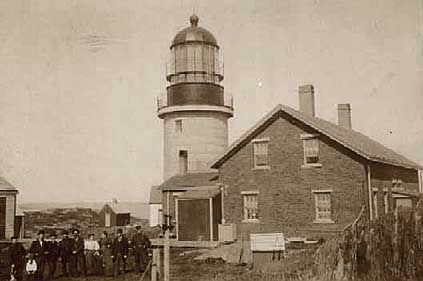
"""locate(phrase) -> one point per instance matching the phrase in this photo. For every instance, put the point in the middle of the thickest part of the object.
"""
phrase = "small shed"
(8, 195)
(156, 207)
(114, 214)
(267, 249)
(198, 214)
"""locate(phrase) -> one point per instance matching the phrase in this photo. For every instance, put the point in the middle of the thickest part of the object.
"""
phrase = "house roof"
(182, 182)
(155, 195)
(352, 140)
(6, 186)
(204, 193)
(118, 208)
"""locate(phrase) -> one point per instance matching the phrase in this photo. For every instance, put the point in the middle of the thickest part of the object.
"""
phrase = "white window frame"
(260, 167)
(244, 195)
(178, 126)
(305, 138)
(315, 194)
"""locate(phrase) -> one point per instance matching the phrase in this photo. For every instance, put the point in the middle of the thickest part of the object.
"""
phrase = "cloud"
(96, 42)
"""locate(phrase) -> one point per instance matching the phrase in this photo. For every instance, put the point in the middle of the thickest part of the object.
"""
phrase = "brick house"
(307, 177)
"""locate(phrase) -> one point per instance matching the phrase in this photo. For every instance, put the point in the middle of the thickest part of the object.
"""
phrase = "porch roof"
(184, 182)
(204, 193)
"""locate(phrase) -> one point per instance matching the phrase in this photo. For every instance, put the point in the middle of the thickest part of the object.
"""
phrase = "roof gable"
(117, 208)
(6, 186)
(353, 140)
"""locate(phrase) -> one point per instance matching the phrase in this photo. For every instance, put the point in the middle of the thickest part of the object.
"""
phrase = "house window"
(396, 184)
(183, 162)
(323, 206)
(261, 153)
(178, 126)
(250, 204)
(311, 151)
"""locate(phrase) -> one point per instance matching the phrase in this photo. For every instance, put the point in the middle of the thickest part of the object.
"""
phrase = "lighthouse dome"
(194, 33)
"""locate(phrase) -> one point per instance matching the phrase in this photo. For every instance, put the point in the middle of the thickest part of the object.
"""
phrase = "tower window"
(183, 162)
(178, 126)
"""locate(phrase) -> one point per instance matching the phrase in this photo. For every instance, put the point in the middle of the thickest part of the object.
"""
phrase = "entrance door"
(2, 217)
(193, 220)
(107, 219)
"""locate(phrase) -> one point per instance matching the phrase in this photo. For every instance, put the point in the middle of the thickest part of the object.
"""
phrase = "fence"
(387, 248)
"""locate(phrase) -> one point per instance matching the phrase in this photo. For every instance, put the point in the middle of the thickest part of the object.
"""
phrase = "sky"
(79, 80)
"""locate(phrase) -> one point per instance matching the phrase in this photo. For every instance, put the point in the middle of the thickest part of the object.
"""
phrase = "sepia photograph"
(200, 140)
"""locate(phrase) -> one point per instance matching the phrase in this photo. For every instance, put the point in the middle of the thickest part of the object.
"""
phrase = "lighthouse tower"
(194, 109)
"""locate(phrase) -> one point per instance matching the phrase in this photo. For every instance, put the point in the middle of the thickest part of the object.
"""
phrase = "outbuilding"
(114, 214)
(8, 195)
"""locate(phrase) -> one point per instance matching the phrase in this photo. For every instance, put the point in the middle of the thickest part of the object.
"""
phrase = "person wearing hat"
(78, 266)
(40, 250)
(54, 250)
(106, 254)
(65, 249)
(141, 245)
(17, 258)
(119, 253)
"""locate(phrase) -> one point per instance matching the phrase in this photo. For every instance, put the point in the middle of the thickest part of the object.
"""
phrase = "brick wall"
(285, 201)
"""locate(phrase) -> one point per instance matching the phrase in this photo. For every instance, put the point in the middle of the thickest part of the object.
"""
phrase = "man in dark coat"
(40, 250)
(17, 258)
(119, 253)
(78, 266)
(54, 250)
(65, 250)
(141, 245)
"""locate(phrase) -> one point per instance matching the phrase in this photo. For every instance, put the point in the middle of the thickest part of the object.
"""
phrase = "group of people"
(78, 257)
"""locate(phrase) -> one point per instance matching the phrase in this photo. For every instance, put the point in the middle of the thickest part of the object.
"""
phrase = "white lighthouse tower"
(194, 109)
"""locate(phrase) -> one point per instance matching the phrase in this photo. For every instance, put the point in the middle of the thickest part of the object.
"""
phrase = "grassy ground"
(184, 268)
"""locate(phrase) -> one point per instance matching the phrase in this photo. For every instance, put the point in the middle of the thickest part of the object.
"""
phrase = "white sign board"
(264, 242)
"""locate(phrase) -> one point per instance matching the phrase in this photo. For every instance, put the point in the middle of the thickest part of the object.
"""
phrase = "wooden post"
(156, 257)
(159, 263)
(166, 256)
(211, 218)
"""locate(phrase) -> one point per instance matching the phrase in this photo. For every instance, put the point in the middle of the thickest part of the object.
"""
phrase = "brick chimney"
(306, 97)
(344, 115)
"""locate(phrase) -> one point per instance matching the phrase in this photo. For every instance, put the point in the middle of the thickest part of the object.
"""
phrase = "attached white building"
(156, 208)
